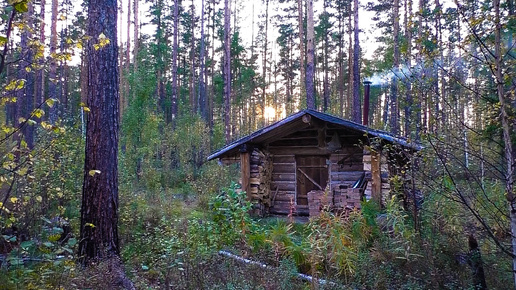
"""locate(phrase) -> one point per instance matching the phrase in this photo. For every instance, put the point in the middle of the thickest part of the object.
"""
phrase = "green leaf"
(26, 244)
(21, 7)
(72, 242)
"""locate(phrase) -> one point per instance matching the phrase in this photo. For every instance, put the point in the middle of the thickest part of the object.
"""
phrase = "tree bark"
(203, 110)
(396, 64)
(25, 96)
(301, 32)
(40, 76)
(227, 70)
(99, 210)
(507, 140)
(357, 112)
(264, 65)
(310, 90)
(52, 75)
(191, 83)
(175, 88)
(408, 94)
(136, 34)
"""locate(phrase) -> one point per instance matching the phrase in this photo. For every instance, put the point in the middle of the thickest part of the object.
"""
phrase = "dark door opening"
(312, 174)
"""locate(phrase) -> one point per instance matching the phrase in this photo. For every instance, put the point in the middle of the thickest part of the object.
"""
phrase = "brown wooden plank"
(346, 175)
(284, 185)
(283, 176)
(284, 168)
(283, 158)
(299, 150)
(285, 196)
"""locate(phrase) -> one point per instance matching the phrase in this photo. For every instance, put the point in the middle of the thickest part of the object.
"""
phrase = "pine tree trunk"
(310, 65)
(40, 75)
(136, 35)
(326, 81)
(52, 76)
(301, 32)
(349, 99)
(357, 112)
(227, 70)
(99, 210)
(175, 88)
(25, 96)
(264, 65)
(408, 94)
(506, 128)
(203, 110)
(191, 82)
(396, 64)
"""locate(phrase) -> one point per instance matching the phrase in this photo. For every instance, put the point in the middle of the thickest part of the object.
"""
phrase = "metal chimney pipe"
(367, 89)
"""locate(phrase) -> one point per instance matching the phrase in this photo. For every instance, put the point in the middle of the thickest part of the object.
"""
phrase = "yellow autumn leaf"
(93, 172)
(14, 199)
(50, 102)
(39, 198)
(39, 113)
(20, 85)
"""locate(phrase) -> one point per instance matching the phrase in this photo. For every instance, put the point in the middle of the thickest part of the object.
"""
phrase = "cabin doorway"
(312, 174)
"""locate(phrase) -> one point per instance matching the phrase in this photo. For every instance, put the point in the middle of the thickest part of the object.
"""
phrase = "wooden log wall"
(283, 183)
(346, 168)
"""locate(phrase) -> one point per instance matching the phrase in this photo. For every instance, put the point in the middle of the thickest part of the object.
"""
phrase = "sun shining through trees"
(269, 114)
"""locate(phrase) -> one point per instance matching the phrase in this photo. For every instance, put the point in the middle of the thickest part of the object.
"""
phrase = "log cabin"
(312, 161)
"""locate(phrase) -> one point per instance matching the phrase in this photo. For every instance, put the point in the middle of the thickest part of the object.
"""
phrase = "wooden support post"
(376, 174)
(245, 167)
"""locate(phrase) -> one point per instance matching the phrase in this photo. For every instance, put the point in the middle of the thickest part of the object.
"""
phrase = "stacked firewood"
(261, 174)
(319, 200)
(347, 199)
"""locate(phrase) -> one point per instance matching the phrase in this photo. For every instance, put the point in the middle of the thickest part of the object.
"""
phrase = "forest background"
(443, 75)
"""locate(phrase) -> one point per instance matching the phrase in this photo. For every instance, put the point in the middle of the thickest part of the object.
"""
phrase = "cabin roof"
(294, 122)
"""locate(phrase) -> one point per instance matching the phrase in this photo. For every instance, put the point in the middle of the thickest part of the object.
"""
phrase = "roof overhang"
(304, 119)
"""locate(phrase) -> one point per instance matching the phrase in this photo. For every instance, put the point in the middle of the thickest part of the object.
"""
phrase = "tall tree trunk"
(349, 99)
(175, 88)
(420, 93)
(301, 32)
(191, 86)
(325, 68)
(227, 70)
(203, 110)
(125, 90)
(25, 96)
(507, 138)
(264, 64)
(310, 65)
(52, 76)
(136, 35)
(340, 77)
(357, 112)
(396, 65)
(40, 75)
(99, 210)
(408, 93)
